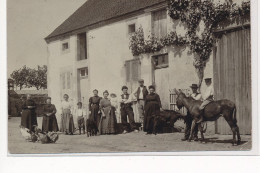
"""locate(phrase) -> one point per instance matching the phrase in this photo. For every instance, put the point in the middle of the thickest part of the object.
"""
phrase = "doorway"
(161, 80)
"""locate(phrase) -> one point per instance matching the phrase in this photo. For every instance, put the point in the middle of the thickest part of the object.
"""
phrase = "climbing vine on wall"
(191, 13)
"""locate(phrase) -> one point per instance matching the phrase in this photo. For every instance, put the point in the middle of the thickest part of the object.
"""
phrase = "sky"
(28, 23)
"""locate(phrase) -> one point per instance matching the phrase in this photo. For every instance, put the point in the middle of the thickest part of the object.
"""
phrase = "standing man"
(188, 119)
(207, 97)
(127, 110)
(141, 92)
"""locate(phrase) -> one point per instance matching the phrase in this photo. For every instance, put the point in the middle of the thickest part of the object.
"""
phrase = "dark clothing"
(108, 123)
(145, 92)
(152, 109)
(127, 110)
(29, 118)
(94, 109)
(49, 123)
(81, 124)
(188, 121)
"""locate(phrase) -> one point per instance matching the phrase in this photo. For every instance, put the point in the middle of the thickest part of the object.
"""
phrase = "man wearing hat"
(127, 110)
(196, 96)
(207, 97)
(141, 92)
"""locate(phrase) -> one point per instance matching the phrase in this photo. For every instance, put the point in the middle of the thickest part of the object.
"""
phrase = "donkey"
(212, 112)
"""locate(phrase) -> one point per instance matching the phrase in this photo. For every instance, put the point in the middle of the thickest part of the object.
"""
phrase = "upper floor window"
(82, 46)
(131, 28)
(159, 23)
(65, 46)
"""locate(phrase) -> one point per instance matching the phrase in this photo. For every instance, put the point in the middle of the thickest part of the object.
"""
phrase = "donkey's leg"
(192, 130)
(233, 128)
(238, 135)
(201, 132)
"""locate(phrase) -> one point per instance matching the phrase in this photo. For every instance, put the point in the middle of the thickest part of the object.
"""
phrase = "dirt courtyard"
(130, 142)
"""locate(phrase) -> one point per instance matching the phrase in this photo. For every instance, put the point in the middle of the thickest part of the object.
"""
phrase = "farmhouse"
(90, 50)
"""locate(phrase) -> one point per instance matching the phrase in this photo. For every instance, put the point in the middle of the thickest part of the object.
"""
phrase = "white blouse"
(66, 105)
(80, 112)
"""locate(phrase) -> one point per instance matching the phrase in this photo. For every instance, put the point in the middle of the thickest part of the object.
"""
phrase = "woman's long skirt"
(94, 116)
(152, 109)
(29, 119)
(108, 124)
(49, 124)
(67, 123)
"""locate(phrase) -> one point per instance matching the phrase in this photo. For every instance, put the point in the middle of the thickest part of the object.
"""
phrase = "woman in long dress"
(67, 123)
(49, 120)
(152, 109)
(94, 108)
(108, 121)
(29, 117)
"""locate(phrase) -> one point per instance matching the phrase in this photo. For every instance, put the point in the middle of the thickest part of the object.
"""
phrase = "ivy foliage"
(191, 13)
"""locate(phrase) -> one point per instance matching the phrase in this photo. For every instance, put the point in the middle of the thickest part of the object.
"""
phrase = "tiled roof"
(95, 11)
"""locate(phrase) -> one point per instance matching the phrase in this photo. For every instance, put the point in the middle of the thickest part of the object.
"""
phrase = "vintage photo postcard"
(129, 76)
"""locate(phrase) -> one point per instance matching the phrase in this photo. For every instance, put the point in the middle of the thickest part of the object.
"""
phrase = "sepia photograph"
(129, 76)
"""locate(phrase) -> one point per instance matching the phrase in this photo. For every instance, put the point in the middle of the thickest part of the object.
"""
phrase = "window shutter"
(128, 69)
(63, 81)
(163, 24)
(68, 80)
(135, 70)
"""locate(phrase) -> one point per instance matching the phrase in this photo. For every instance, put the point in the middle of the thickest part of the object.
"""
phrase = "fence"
(15, 104)
(173, 98)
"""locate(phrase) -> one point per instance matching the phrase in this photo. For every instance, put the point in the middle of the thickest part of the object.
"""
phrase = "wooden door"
(232, 77)
(162, 85)
(161, 78)
(133, 74)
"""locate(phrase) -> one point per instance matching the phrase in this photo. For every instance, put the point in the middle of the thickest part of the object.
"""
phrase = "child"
(80, 113)
(113, 100)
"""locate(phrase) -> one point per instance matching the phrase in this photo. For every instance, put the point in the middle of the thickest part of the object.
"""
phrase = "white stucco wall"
(58, 61)
(108, 49)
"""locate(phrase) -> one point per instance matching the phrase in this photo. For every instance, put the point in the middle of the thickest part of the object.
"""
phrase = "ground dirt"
(130, 142)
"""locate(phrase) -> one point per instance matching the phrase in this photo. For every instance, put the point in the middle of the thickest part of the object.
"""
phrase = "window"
(161, 61)
(66, 80)
(84, 72)
(65, 46)
(131, 28)
(159, 23)
(82, 46)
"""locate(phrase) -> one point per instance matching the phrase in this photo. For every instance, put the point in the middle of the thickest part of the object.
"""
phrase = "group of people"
(102, 111)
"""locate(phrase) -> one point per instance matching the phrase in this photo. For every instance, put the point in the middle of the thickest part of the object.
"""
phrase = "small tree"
(20, 77)
(38, 78)
(27, 77)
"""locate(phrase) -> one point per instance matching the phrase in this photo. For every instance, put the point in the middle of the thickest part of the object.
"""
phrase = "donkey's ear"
(176, 91)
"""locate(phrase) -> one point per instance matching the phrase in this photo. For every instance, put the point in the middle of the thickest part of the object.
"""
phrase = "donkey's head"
(179, 99)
